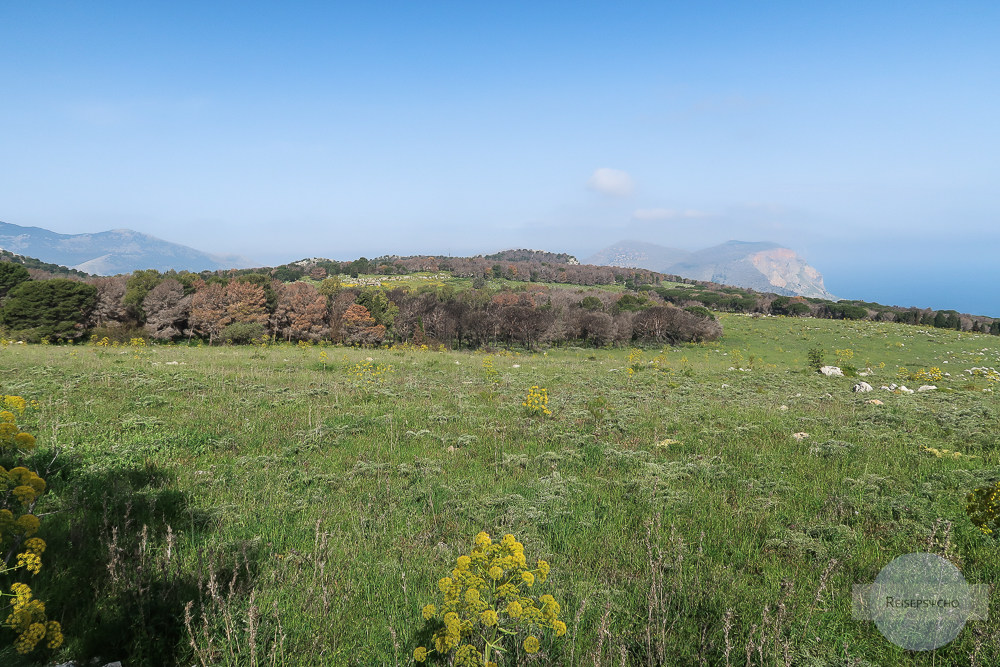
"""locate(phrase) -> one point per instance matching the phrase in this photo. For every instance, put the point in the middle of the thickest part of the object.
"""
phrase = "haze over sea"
(861, 135)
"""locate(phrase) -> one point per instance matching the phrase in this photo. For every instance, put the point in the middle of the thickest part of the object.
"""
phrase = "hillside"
(111, 252)
(760, 266)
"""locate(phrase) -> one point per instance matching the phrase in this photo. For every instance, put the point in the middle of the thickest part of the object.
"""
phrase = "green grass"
(307, 517)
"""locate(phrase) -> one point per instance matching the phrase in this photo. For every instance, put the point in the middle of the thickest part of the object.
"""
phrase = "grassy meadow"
(289, 505)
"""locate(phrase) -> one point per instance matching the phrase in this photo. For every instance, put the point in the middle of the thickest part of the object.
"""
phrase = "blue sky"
(862, 135)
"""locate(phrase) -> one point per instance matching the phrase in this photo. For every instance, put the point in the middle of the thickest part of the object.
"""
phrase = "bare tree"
(167, 310)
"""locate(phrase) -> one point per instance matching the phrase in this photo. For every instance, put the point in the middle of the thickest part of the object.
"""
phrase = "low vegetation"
(298, 504)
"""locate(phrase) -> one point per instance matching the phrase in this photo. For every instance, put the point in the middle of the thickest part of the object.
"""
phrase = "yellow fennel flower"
(419, 654)
(559, 627)
(488, 617)
(531, 644)
(528, 578)
(428, 612)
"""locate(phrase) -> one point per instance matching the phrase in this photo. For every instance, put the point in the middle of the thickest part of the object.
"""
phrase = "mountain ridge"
(763, 266)
(111, 252)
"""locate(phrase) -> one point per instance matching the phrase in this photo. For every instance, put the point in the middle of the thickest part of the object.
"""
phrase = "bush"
(669, 324)
(242, 333)
(815, 355)
(700, 311)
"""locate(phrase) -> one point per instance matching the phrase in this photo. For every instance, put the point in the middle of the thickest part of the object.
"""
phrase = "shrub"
(815, 355)
(674, 325)
(487, 606)
(700, 311)
(983, 508)
(242, 333)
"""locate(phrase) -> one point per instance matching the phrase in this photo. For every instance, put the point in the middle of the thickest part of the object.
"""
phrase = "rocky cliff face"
(765, 267)
(784, 269)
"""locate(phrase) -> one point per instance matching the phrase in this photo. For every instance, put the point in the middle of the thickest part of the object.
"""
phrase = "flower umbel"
(487, 607)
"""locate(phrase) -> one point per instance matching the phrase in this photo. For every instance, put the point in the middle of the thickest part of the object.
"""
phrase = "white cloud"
(667, 214)
(613, 182)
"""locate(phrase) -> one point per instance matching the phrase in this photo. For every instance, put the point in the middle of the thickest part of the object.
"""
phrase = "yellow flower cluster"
(492, 374)
(423, 347)
(27, 618)
(537, 401)
(367, 374)
(843, 356)
(486, 603)
(991, 374)
(19, 489)
(634, 361)
(25, 485)
(17, 404)
(946, 453)
(983, 508)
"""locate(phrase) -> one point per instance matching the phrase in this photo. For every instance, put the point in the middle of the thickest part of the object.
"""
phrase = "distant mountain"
(112, 252)
(638, 255)
(761, 266)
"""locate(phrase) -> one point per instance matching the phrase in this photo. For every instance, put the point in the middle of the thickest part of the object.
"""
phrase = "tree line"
(306, 301)
(240, 307)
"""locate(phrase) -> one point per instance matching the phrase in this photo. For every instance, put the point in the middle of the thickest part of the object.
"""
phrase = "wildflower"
(429, 611)
(24, 494)
(543, 570)
(528, 578)
(54, 632)
(531, 644)
(514, 609)
(28, 523)
(488, 617)
(32, 562)
(496, 572)
(559, 627)
(463, 563)
(419, 654)
(444, 584)
(35, 545)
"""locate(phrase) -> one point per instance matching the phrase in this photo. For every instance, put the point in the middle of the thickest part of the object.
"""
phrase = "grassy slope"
(234, 456)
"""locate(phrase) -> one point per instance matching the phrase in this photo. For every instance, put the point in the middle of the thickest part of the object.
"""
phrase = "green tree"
(54, 309)
(330, 287)
(12, 274)
(138, 286)
(377, 303)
